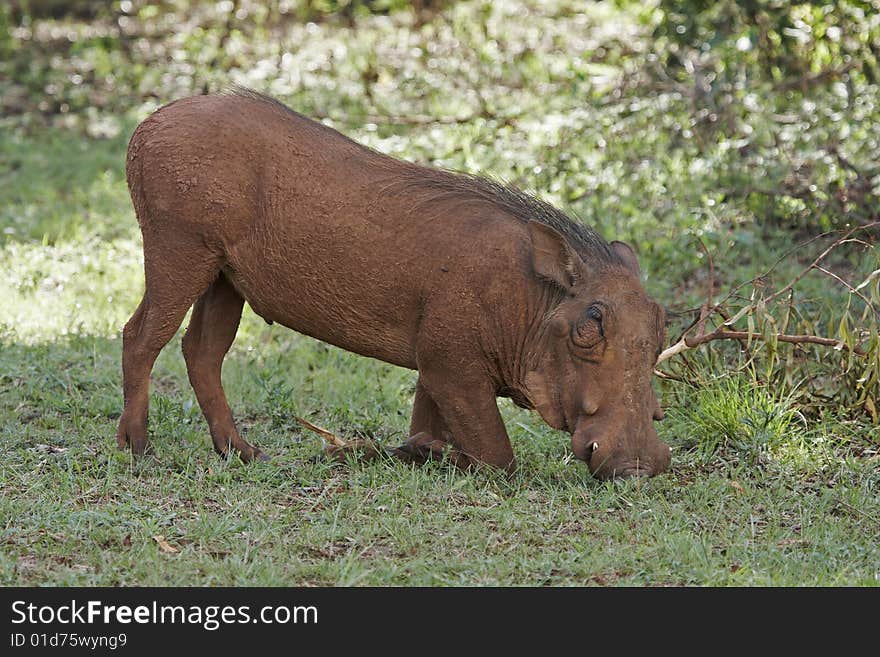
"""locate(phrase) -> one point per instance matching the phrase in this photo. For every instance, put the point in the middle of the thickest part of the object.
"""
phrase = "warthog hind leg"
(170, 291)
(211, 330)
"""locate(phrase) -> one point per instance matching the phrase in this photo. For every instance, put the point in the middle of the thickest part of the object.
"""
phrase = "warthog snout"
(610, 457)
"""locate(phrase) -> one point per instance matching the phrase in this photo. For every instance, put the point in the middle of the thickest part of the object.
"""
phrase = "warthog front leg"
(467, 406)
(429, 435)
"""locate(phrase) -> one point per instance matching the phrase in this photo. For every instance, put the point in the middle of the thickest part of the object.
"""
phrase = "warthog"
(485, 290)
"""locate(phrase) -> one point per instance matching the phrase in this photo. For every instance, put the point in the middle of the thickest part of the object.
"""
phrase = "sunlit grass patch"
(48, 291)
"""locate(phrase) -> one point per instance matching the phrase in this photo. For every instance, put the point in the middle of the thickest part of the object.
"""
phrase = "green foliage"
(789, 92)
(782, 40)
(738, 418)
(6, 40)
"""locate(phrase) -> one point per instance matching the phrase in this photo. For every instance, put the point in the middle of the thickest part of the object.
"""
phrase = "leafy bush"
(781, 98)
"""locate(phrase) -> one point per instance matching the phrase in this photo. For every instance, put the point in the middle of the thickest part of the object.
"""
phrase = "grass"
(79, 512)
(762, 490)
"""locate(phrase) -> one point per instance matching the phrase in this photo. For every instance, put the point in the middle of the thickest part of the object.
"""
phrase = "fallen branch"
(722, 333)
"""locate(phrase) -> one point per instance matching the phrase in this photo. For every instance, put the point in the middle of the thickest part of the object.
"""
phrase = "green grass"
(87, 513)
(764, 489)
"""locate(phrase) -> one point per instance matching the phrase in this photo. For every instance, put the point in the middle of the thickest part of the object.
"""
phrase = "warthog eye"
(589, 331)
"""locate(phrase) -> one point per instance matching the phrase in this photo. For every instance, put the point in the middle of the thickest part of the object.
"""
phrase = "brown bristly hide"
(484, 290)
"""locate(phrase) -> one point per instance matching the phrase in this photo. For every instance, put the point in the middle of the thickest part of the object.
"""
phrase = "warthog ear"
(553, 258)
(625, 253)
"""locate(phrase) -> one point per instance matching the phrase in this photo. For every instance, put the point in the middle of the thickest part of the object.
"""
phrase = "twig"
(722, 333)
(665, 375)
(805, 83)
(848, 287)
(843, 161)
(819, 259)
(227, 31)
(704, 309)
(336, 448)
(869, 516)
(743, 343)
(328, 436)
(417, 119)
